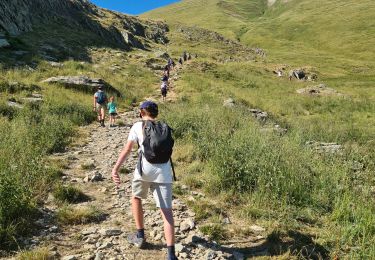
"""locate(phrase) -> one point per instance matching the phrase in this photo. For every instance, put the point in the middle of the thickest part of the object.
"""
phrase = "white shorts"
(162, 192)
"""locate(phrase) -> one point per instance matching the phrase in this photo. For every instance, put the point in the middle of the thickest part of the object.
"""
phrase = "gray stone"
(96, 176)
(89, 231)
(110, 232)
(229, 103)
(14, 104)
(105, 245)
(56, 64)
(179, 247)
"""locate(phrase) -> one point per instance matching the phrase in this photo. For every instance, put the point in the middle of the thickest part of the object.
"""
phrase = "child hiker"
(112, 110)
(153, 172)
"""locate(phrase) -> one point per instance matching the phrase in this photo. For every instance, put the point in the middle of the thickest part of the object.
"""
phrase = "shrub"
(73, 216)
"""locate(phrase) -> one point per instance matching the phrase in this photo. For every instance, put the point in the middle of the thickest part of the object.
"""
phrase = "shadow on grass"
(299, 244)
(276, 244)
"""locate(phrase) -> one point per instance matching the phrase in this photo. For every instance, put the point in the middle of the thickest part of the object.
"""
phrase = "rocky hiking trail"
(89, 169)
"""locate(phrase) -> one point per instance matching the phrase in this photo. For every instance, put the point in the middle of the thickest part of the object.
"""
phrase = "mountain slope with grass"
(317, 30)
(282, 172)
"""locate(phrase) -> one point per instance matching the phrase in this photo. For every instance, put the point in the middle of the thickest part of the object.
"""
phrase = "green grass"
(36, 254)
(68, 215)
(69, 194)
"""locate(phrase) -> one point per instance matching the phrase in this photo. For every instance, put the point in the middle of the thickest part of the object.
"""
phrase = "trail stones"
(89, 231)
(318, 90)
(109, 232)
(99, 256)
(186, 225)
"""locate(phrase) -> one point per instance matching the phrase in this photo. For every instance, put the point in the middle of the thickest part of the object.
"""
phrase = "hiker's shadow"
(153, 246)
(276, 244)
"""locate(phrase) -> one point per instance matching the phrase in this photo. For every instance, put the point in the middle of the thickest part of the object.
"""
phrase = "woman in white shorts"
(154, 177)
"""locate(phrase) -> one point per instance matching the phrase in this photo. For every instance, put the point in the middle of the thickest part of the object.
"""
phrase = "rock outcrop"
(82, 83)
(20, 16)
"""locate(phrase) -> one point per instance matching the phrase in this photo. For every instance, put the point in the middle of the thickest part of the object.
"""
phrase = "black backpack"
(157, 143)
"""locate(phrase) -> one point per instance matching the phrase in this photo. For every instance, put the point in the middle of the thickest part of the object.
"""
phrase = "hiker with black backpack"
(164, 89)
(154, 172)
(100, 104)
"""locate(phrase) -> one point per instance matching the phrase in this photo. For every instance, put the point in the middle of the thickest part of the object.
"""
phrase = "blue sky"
(132, 6)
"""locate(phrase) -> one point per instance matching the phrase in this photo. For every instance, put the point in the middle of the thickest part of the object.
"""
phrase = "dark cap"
(149, 105)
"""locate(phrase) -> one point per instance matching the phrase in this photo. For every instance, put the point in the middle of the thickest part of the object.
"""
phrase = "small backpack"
(101, 98)
(157, 143)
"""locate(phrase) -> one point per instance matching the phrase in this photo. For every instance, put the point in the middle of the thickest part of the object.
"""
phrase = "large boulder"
(82, 83)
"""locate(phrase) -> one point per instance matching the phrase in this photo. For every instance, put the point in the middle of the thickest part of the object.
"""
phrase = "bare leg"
(102, 114)
(137, 212)
(168, 226)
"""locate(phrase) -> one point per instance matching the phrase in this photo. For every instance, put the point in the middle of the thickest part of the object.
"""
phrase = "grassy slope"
(335, 42)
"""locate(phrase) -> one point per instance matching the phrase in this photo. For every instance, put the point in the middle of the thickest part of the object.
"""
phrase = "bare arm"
(122, 157)
(94, 103)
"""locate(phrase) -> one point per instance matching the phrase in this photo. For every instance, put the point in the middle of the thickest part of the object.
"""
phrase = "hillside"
(290, 30)
(254, 174)
(59, 29)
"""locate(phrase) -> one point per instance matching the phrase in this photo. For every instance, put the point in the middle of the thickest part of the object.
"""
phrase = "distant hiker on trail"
(100, 101)
(185, 56)
(188, 56)
(165, 77)
(166, 71)
(164, 89)
(153, 172)
(171, 64)
(180, 61)
(112, 110)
